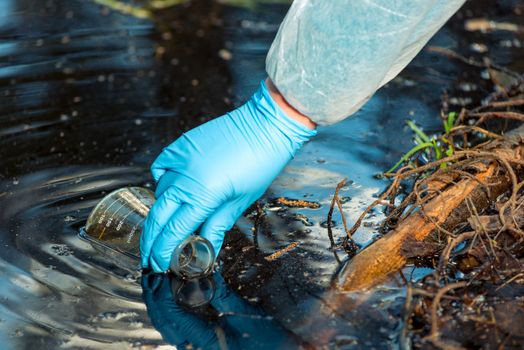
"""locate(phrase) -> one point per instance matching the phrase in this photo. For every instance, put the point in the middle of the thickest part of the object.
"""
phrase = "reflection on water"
(89, 96)
(228, 322)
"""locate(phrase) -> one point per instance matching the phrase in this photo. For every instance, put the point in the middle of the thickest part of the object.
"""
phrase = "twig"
(500, 115)
(408, 310)
(509, 281)
(444, 257)
(391, 189)
(472, 62)
(339, 205)
(282, 251)
(477, 129)
(501, 104)
(330, 212)
(434, 336)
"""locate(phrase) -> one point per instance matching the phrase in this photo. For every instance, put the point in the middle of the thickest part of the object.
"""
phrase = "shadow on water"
(89, 96)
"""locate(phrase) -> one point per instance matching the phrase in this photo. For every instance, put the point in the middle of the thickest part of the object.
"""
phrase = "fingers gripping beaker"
(117, 220)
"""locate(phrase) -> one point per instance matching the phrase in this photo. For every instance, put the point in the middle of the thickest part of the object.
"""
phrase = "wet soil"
(89, 96)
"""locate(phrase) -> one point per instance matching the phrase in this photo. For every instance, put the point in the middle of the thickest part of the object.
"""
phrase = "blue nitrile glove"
(212, 173)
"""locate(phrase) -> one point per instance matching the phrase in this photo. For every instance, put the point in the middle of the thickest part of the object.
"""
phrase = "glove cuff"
(293, 129)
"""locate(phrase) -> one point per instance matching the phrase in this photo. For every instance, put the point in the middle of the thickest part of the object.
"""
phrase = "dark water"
(88, 98)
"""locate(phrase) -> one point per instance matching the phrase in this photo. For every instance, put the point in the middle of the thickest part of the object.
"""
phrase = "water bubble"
(478, 47)
(61, 250)
(324, 224)
(485, 74)
(17, 333)
(225, 54)
(304, 219)
(344, 199)
(460, 101)
(69, 218)
(112, 316)
(345, 340)
(130, 277)
(160, 50)
(467, 87)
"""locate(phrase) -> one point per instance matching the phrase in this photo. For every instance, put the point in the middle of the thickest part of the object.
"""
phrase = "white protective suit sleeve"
(330, 56)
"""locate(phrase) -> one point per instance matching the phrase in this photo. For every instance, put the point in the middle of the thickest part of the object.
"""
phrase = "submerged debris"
(282, 251)
(297, 203)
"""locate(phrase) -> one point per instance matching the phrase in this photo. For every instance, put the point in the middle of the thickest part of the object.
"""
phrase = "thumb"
(222, 220)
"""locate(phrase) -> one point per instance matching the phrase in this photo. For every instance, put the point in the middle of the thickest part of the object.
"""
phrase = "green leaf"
(418, 131)
(418, 140)
(450, 121)
(438, 150)
(411, 152)
(128, 9)
(449, 151)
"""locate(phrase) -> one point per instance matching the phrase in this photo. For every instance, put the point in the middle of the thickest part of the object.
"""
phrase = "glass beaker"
(194, 257)
(117, 220)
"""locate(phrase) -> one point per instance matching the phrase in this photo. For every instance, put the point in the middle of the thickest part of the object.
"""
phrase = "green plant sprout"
(439, 145)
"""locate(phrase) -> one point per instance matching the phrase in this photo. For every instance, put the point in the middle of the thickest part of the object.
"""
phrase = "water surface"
(89, 96)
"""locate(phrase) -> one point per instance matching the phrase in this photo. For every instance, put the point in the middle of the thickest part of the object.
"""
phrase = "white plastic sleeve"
(330, 56)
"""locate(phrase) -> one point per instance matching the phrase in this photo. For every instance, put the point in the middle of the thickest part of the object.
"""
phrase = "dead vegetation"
(464, 217)
(296, 203)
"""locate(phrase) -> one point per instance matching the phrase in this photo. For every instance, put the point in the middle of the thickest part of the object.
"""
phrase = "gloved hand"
(212, 174)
